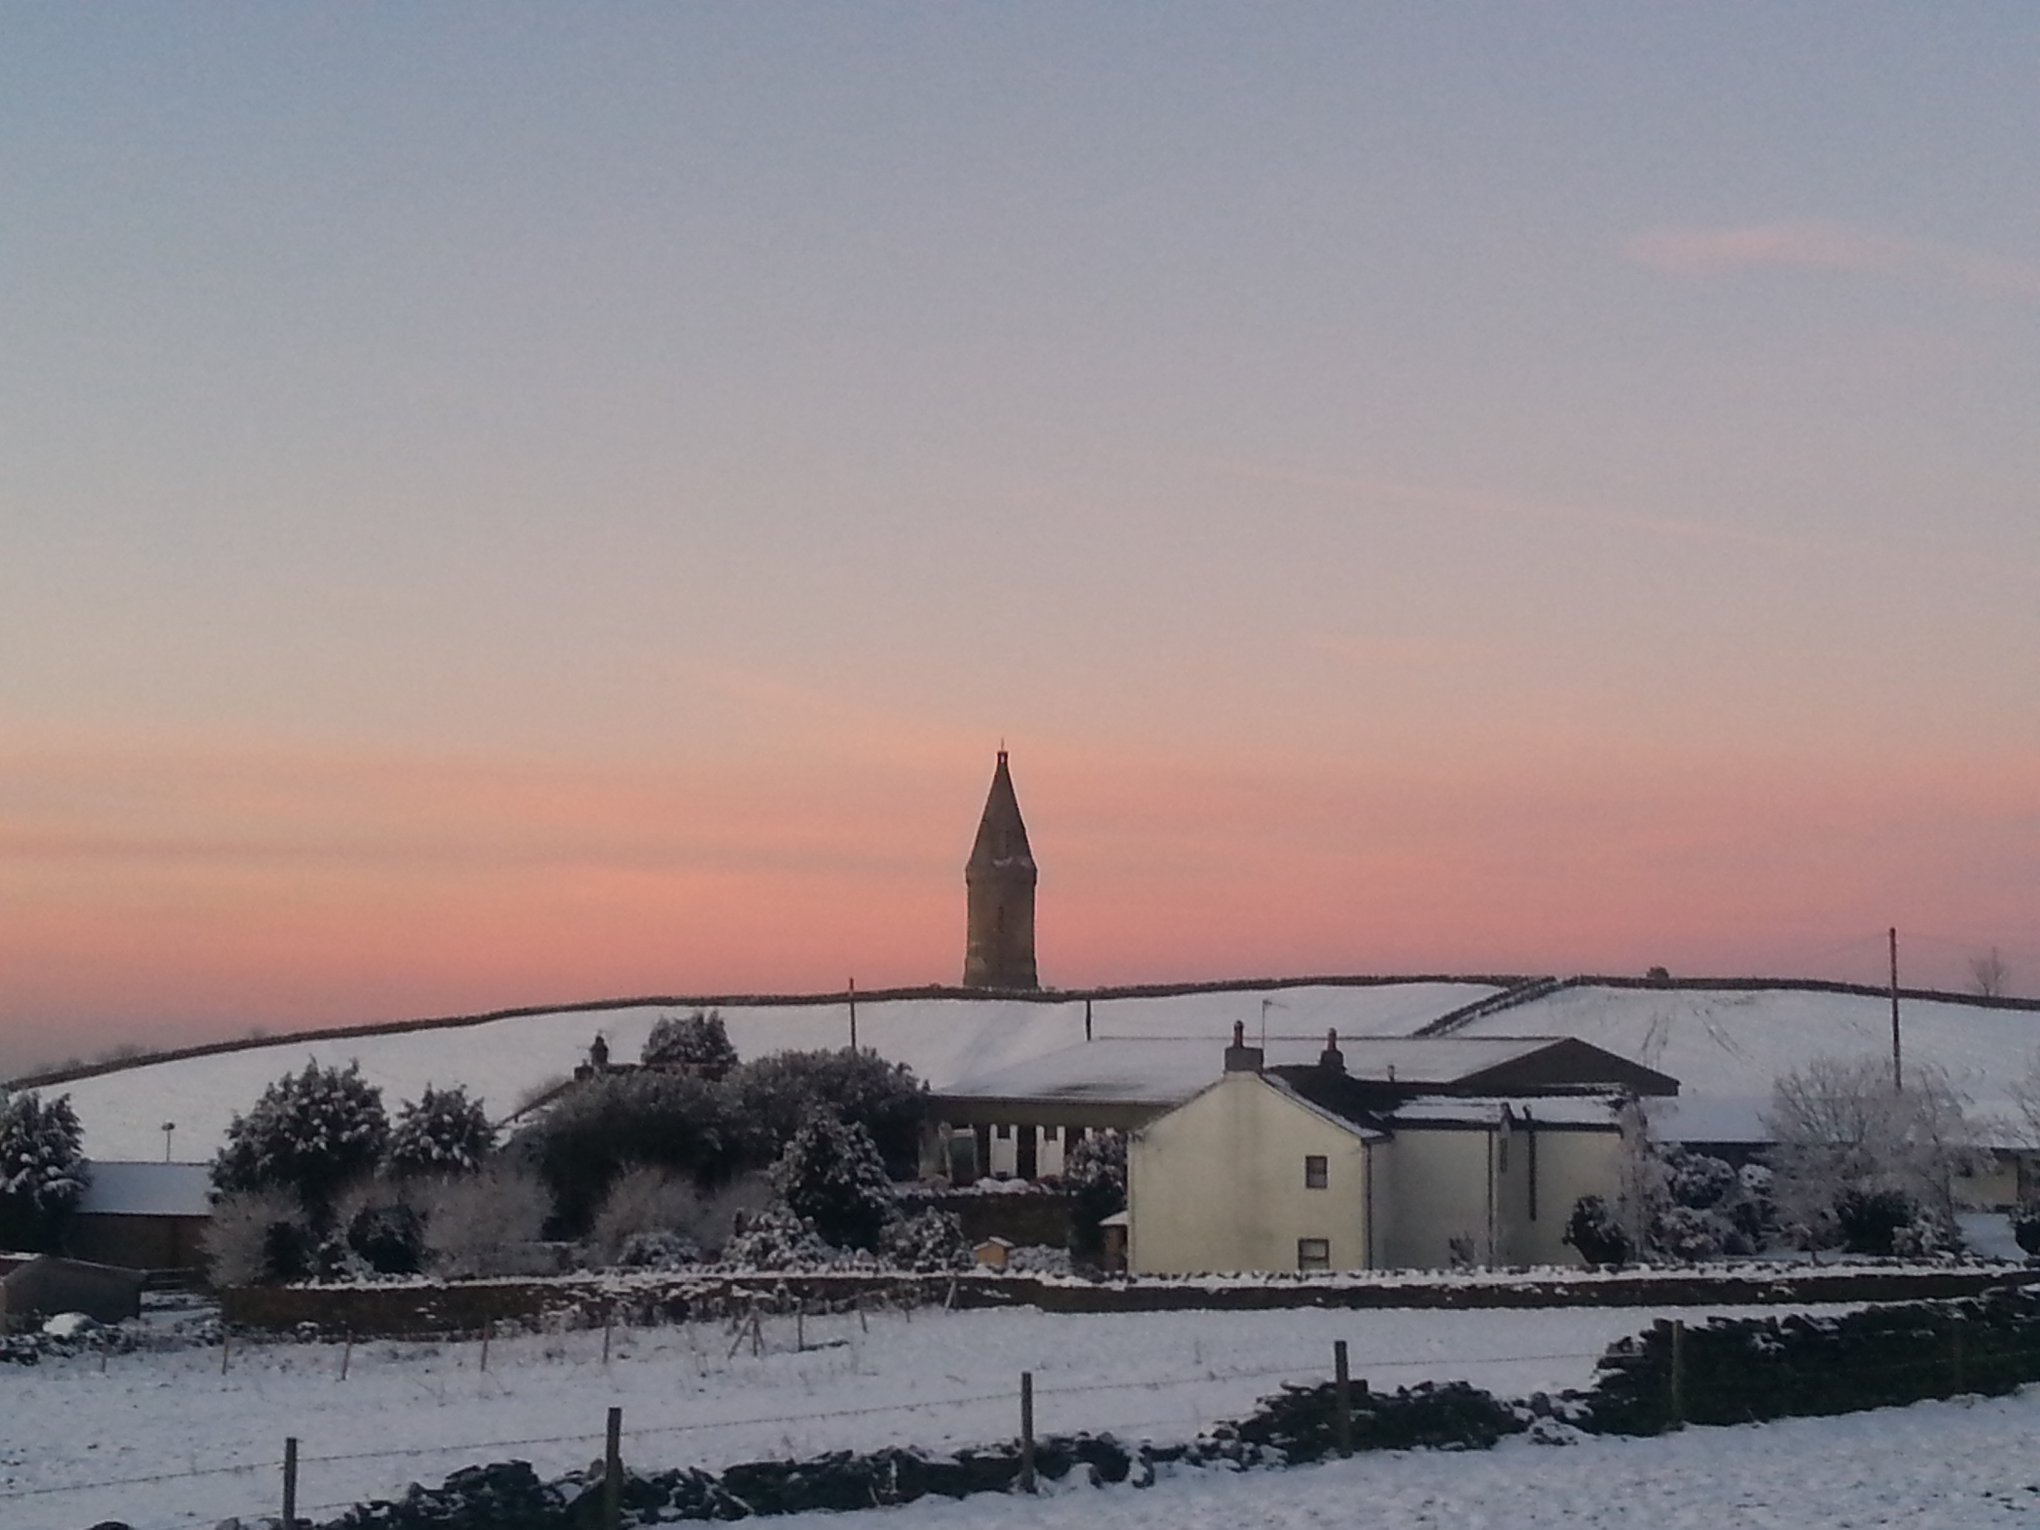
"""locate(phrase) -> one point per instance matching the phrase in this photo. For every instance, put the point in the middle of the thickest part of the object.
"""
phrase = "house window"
(1316, 1172)
(1048, 1133)
(1005, 1133)
(1313, 1253)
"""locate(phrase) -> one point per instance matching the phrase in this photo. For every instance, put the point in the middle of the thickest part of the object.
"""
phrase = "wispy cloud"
(1819, 245)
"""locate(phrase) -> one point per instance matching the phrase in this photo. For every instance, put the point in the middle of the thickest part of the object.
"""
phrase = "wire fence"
(1313, 1363)
(1952, 1370)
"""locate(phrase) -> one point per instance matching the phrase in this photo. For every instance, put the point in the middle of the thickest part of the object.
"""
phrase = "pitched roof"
(1001, 843)
(1169, 1070)
(148, 1190)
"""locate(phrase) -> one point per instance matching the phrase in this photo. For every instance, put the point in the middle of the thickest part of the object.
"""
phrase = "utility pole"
(853, 1014)
(1897, 1061)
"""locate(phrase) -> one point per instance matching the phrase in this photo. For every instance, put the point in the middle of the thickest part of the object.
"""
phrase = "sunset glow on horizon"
(516, 506)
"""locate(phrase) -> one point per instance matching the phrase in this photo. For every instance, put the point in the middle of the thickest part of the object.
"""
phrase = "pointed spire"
(1001, 843)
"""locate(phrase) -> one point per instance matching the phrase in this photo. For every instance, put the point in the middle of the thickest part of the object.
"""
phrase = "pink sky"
(503, 513)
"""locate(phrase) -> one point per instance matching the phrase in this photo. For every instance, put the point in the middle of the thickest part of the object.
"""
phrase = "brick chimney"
(1331, 1059)
(1239, 1057)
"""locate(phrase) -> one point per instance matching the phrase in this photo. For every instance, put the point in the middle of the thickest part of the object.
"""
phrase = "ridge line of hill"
(1516, 990)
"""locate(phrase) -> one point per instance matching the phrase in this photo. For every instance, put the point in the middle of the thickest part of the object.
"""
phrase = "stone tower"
(998, 948)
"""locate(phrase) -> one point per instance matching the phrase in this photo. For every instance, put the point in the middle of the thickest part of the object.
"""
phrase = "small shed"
(993, 1253)
(144, 1216)
(45, 1286)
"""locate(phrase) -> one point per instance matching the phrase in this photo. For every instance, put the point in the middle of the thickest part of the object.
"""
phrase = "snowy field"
(417, 1411)
(1934, 1466)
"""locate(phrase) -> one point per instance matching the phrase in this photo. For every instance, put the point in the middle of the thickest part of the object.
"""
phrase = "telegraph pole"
(1897, 1059)
(853, 1013)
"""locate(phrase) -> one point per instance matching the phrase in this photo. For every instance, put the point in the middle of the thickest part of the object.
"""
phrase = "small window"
(1313, 1253)
(1003, 1133)
(1316, 1172)
(1048, 1133)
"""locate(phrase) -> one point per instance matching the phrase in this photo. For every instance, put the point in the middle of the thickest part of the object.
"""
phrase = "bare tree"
(1840, 1129)
(485, 1223)
(1988, 975)
(642, 1202)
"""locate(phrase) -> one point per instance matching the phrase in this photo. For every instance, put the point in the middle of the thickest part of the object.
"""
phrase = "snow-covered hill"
(1724, 1045)
(506, 1060)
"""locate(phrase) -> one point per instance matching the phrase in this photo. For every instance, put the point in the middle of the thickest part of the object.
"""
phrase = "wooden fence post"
(487, 1329)
(290, 1483)
(612, 1473)
(347, 1353)
(1027, 1431)
(226, 1347)
(608, 1327)
(1677, 1398)
(1342, 1399)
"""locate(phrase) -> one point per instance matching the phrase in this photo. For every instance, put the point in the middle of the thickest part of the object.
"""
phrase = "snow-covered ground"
(1934, 1466)
(942, 1040)
(417, 1411)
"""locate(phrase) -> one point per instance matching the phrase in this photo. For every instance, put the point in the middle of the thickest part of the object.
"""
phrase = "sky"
(510, 504)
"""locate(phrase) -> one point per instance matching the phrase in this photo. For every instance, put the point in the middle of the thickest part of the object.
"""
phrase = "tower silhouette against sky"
(999, 879)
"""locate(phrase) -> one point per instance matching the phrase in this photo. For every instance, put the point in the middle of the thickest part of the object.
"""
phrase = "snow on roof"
(1167, 1070)
(1546, 1110)
(941, 1039)
(1711, 1119)
(148, 1190)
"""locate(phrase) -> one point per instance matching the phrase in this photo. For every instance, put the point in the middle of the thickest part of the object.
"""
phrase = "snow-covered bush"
(256, 1237)
(483, 1223)
(1094, 1173)
(831, 1176)
(311, 1133)
(1594, 1230)
(1711, 1208)
(1870, 1221)
(42, 1170)
(926, 1241)
(1684, 1233)
(698, 1043)
(663, 1249)
(776, 1239)
(1698, 1181)
(443, 1131)
(642, 1203)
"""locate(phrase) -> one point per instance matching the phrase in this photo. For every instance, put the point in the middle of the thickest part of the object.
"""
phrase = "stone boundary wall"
(1749, 1370)
(419, 1309)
